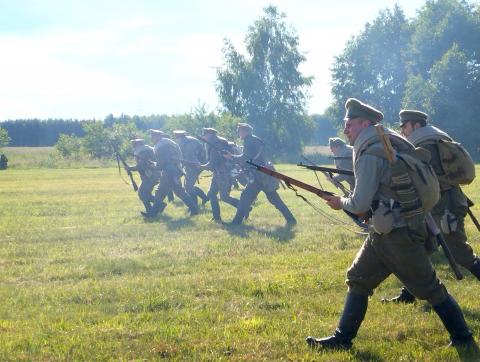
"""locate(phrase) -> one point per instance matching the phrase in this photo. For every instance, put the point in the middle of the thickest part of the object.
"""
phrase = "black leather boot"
(404, 297)
(156, 208)
(350, 321)
(454, 322)
(475, 269)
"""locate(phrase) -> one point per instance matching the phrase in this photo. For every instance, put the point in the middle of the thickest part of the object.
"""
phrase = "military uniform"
(257, 181)
(145, 158)
(221, 181)
(452, 206)
(391, 252)
(168, 156)
(193, 154)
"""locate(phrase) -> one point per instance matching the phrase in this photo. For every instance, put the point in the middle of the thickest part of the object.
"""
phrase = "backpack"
(414, 182)
(456, 163)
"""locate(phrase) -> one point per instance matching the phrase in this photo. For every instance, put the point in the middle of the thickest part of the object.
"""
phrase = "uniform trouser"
(168, 183)
(395, 253)
(145, 192)
(248, 196)
(220, 184)
(191, 178)
(457, 243)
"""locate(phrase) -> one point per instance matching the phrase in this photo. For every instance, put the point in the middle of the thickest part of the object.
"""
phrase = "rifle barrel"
(326, 169)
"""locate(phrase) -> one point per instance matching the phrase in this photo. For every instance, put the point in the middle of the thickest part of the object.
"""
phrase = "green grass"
(84, 277)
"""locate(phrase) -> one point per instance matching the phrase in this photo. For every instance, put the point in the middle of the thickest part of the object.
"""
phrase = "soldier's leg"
(212, 196)
(224, 189)
(190, 179)
(199, 192)
(409, 261)
(145, 194)
(247, 197)
(163, 188)
(184, 196)
(365, 274)
(276, 201)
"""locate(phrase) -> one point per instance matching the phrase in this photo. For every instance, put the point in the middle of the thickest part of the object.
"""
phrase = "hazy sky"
(88, 58)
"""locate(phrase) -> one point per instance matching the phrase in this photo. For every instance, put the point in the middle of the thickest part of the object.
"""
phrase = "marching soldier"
(222, 179)
(253, 151)
(452, 208)
(193, 154)
(343, 160)
(168, 156)
(145, 161)
(394, 248)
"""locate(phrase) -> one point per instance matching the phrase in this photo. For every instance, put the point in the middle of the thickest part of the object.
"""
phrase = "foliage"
(266, 87)
(4, 138)
(68, 146)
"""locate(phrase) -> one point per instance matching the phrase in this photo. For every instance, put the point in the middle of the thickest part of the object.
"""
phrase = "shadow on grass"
(171, 223)
(366, 356)
(280, 233)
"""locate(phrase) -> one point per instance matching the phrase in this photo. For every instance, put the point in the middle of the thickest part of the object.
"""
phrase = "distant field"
(84, 277)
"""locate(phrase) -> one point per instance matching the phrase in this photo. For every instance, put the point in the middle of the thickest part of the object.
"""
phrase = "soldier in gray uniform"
(453, 204)
(193, 153)
(343, 160)
(145, 161)
(257, 181)
(222, 178)
(390, 251)
(168, 156)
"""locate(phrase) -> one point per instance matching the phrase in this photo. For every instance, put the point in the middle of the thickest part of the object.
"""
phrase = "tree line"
(429, 62)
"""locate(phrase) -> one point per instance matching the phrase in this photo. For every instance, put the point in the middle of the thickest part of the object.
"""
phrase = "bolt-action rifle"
(125, 166)
(328, 172)
(390, 153)
(289, 181)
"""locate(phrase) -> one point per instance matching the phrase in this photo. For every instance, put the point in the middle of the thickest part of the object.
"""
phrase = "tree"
(4, 139)
(266, 87)
(373, 67)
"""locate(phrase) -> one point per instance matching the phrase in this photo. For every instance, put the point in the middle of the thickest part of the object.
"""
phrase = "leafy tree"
(372, 66)
(69, 146)
(4, 139)
(266, 87)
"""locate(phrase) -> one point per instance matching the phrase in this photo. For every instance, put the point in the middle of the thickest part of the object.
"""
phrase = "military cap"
(137, 141)
(244, 126)
(208, 130)
(179, 133)
(412, 115)
(335, 142)
(354, 108)
(157, 132)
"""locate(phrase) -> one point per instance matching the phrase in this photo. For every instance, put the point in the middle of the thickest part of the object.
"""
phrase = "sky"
(85, 59)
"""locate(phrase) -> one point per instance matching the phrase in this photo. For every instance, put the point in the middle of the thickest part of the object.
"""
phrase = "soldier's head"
(137, 142)
(179, 133)
(336, 144)
(410, 120)
(243, 130)
(156, 135)
(209, 132)
(359, 116)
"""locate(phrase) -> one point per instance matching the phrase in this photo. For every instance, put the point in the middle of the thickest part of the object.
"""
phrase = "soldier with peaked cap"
(452, 208)
(194, 156)
(253, 148)
(343, 160)
(221, 181)
(391, 250)
(145, 166)
(167, 157)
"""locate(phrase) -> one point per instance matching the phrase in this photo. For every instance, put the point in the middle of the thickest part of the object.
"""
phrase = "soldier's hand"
(334, 202)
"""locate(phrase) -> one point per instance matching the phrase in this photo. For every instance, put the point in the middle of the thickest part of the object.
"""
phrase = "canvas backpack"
(456, 163)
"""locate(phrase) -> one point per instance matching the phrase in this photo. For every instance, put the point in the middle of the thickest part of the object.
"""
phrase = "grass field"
(84, 277)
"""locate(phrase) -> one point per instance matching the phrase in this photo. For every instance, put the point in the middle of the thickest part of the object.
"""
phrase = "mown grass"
(84, 277)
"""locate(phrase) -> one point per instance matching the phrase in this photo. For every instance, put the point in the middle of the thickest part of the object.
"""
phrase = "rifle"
(326, 169)
(125, 166)
(341, 157)
(474, 219)
(289, 181)
(432, 226)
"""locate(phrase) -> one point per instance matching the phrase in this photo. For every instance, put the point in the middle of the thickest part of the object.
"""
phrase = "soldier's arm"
(367, 176)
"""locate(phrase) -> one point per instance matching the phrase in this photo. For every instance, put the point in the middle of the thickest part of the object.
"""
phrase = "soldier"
(253, 151)
(3, 162)
(221, 180)
(343, 160)
(394, 251)
(168, 156)
(193, 154)
(452, 208)
(145, 166)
